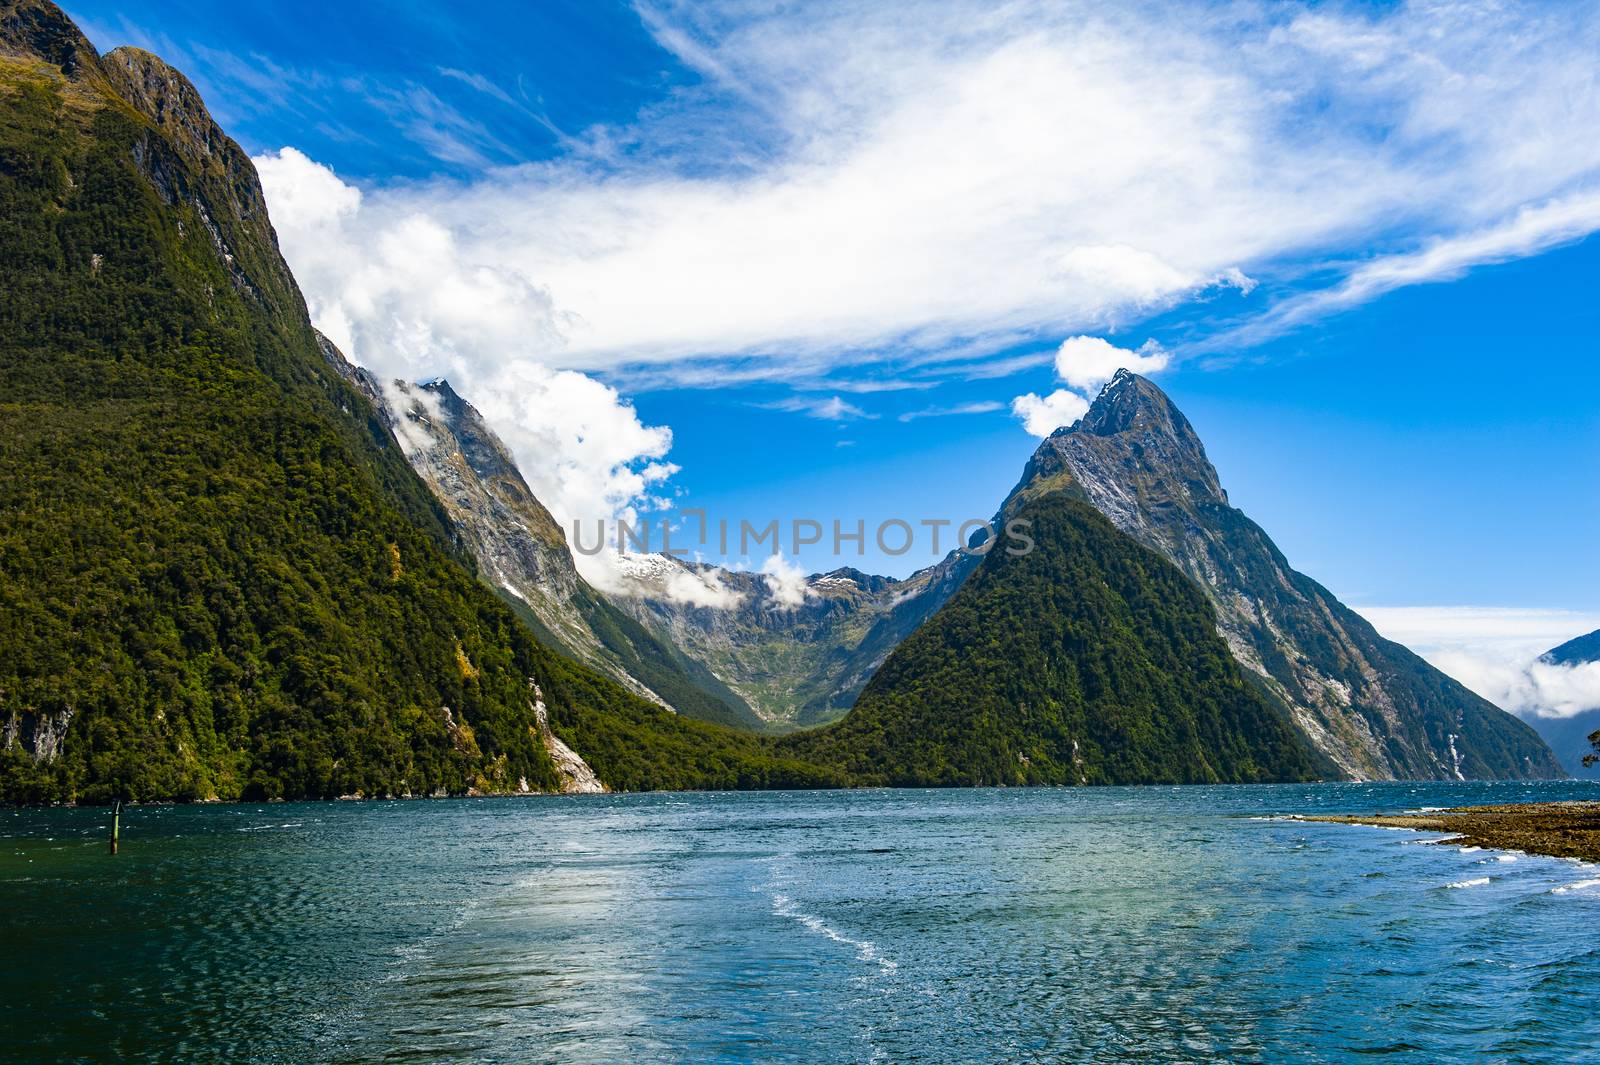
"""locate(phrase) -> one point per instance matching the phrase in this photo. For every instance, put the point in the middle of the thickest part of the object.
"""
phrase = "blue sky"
(828, 252)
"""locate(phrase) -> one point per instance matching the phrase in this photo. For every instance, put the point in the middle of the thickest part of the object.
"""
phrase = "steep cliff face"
(797, 656)
(1374, 709)
(218, 574)
(521, 551)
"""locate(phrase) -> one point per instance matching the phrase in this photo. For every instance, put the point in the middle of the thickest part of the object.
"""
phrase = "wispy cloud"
(481, 83)
(489, 88)
(847, 179)
(981, 407)
(1529, 231)
(831, 408)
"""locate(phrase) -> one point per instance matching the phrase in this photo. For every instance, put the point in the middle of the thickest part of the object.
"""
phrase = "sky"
(845, 261)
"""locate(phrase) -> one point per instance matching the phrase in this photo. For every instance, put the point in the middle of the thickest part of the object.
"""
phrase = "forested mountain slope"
(218, 576)
(1087, 660)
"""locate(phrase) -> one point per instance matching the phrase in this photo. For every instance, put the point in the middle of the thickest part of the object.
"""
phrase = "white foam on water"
(268, 828)
(1470, 850)
(1581, 885)
(1477, 881)
(784, 906)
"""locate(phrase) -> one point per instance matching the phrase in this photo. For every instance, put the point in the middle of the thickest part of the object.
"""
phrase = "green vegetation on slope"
(687, 686)
(1090, 660)
(217, 575)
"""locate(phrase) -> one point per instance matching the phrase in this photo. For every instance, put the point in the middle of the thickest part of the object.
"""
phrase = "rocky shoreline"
(1558, 829)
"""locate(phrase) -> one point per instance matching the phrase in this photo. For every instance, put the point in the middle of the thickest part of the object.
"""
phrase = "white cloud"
(1043, 415)
(406, 297)
(701, 588)
(1529, 231)
(852, 175)
(786, 581)
(1529, 688)
(1495, 651)
(1085, 364)
(664, 577)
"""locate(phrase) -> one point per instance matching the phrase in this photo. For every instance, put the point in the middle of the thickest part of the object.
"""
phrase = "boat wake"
(784, 906)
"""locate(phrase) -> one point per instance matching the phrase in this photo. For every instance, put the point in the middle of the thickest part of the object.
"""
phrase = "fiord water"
(1117, 925)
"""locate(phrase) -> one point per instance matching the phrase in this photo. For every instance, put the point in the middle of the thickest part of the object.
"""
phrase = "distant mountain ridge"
(1371, 707)
(1575, 652)
(1367, 708)
(1569, 736)
(796, 664)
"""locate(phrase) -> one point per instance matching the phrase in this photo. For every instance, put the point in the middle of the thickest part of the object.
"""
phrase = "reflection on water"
(1137, 925)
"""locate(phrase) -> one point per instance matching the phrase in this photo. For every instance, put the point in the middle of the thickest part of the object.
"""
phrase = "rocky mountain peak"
(1129, 402)
(36, 29)
(1370, 707)
(1132, 435)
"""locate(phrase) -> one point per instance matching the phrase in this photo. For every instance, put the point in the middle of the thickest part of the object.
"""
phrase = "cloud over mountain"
(1496, 651)
(918, 179)
(1084, 364)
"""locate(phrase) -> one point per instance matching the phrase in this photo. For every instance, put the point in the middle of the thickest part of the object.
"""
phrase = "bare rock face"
(576, 776)
(521, 551)
(39, 735)
(31, 30)
(1373, 709)
(518, 546)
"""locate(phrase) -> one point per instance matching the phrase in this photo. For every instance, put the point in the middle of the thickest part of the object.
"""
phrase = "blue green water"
(1136, 925)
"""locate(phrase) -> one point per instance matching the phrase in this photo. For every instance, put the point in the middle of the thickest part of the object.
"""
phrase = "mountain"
(797, 656)
(1087, 660)
(1571, 737)
(522, 553)
(1575, 652)
(1370, 707)
(218, 574)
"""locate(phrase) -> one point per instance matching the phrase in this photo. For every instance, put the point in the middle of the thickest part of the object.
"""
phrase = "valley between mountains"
(235, 565)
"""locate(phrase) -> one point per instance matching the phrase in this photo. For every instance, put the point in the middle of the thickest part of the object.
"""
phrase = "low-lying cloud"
(407, 300)
(1496, 652)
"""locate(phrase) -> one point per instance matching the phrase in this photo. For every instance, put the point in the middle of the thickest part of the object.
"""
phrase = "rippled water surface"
(1138, 925)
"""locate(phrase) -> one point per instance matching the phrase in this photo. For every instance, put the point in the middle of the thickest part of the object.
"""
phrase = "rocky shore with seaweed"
(1558, 829)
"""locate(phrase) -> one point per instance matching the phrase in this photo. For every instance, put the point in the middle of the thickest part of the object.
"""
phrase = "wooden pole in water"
(116, 825)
